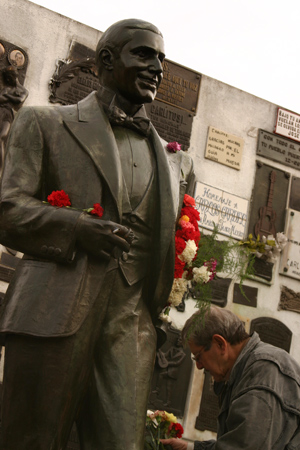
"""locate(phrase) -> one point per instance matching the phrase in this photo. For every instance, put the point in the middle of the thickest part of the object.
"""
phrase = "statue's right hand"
(96, 236)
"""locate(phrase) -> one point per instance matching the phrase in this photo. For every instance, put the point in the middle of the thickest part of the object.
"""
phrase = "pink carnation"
(173, 147)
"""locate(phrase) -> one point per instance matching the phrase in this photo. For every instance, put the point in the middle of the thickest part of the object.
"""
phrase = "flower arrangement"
(160, 425)
(61, 199)
(266, 248)
(187, 269)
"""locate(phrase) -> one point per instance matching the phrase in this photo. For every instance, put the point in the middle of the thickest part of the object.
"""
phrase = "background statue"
(79, 316)
(12, 96)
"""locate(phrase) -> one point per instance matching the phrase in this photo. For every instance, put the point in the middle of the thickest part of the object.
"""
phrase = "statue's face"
(137, 70)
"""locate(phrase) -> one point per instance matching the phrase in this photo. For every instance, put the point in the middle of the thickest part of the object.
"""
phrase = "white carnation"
(189, 252)
(201, 274)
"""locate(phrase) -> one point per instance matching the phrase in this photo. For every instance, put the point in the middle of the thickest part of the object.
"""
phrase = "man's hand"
(97, 236)
(176, 444)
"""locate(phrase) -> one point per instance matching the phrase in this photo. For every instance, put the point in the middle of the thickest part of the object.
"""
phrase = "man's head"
(129, 58)
(215, 341)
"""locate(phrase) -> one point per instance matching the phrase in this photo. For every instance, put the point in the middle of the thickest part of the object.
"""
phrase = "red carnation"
(175, 430)
(188, 234)
(188, 200)
(180, 244)
(191, 212)
(59, 198)
(179, 268)
(98, 210)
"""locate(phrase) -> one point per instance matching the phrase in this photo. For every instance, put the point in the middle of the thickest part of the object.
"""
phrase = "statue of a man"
(79, 316)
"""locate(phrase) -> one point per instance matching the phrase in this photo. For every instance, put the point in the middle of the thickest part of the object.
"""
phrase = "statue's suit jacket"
(73, 148)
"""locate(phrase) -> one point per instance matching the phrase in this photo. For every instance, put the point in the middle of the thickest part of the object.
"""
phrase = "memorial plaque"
(175, 105)
(295, 194)
(171, 376)
(6, 273)
(180, 86)
(290, 258)
(289, 300)
(171, 123)
(288, 124)
(278, 149)
(250, 297)
(9, 260)
(263, 269)
(219, 291)
(224, 148)
(209, 406)
(267, 216)
(272, 331)
(227, 211)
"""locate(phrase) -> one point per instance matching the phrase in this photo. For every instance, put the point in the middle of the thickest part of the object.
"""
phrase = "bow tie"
(118, 117)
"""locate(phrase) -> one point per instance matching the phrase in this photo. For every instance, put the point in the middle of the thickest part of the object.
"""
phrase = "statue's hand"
(100, 237)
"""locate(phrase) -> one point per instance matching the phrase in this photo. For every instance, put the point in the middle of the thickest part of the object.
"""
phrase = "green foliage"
(233, 260)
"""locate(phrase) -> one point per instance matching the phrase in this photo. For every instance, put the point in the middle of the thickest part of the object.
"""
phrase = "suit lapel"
(94, 134)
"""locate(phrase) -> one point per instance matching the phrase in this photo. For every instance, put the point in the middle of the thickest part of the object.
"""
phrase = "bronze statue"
(79, 316)
(12, 97)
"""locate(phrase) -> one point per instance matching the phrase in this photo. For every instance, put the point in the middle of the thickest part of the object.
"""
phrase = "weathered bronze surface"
(209, 407)
(278, 149)
(89, 292)
(171, 375)
(250, 292)
(268, 206)
(272, 331)
(289, 300)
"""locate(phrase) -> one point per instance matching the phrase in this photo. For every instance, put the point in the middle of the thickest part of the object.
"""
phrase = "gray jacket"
(260, 407)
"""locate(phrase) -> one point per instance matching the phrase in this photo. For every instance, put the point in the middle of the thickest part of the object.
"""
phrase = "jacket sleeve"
(26, 223)
(205, 445)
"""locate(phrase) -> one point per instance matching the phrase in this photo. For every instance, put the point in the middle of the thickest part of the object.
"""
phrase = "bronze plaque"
(269, 196)
(295, 194)
(289, 300)
(171, 376)
(219, 291)
(263, 269)
(180, 86)
(250, 297)
(209, 406)
(272, 331)
(278, 149)
(171, 123)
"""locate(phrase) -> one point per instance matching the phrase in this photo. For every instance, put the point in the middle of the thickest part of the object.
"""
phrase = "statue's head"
(129, 58)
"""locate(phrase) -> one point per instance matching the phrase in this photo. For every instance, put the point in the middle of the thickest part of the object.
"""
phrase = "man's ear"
(106, 59)
(220, 342)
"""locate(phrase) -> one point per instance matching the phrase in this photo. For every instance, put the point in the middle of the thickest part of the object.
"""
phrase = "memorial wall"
(246, 153)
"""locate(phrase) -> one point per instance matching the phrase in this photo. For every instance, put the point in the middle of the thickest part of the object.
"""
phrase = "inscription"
(220, 208)
(290, 260)
(278, 149)
(224, 148)
(288, 124)
(179, 87)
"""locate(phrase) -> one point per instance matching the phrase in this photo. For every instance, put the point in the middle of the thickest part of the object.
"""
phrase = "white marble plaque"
(225, 210)
(288, 124)
(290, 259)
(224, 148)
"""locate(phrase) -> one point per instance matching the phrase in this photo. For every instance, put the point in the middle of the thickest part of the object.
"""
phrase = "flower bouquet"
(161, 425)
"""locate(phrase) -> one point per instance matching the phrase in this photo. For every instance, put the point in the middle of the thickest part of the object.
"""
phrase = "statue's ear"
(106, 58)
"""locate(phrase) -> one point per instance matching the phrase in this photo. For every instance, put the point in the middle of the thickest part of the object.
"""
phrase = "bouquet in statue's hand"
(160, 425)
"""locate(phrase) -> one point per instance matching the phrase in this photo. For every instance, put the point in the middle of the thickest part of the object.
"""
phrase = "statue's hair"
(118, 34)
(200, 330)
